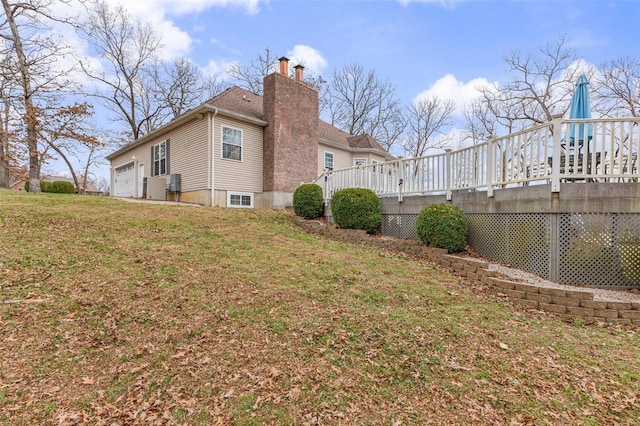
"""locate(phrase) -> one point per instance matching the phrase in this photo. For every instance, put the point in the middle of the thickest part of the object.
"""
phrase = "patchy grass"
(155, 314)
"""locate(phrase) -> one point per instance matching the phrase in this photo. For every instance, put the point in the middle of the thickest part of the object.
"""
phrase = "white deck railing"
(594, 150)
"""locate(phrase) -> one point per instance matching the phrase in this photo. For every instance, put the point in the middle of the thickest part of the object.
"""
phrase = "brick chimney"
(290, 140)
(299, 73)
(284, 65)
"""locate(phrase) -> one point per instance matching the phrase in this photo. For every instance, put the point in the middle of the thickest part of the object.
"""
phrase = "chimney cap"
(283, 58)
(299, 72)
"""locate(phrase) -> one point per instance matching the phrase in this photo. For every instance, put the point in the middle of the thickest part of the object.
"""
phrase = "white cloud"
(305, 55)
(218, 69)
(178, 42)
(449, 87)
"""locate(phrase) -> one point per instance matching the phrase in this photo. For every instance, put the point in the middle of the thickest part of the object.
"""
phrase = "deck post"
(448, 172)
(556, 128)
(401, 180)
(325, 187)
(491, 164)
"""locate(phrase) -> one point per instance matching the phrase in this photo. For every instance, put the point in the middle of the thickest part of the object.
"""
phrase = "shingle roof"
(240, 101)
(333, 134)
(364, 141)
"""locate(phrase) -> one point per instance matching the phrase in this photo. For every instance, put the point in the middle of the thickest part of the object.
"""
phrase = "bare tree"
(479, 121)
(213, 86)
(359, 102)
(426, 121)
(100, 182)
(541, 86)
(250, 77)
(66, 131)
(181, 85)
(127, 48)
(619, 87)
(7, 97)
(35, 52)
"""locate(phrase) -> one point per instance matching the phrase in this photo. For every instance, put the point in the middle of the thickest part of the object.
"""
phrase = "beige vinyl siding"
(189, 155)
(343, 158)
(244, 175)
(368, 156)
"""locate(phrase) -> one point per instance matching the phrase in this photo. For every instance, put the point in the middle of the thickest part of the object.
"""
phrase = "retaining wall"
(566, 302)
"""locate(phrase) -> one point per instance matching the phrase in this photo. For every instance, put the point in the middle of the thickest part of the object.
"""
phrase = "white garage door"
(124, 185)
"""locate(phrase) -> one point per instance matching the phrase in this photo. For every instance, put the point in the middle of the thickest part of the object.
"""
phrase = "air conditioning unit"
(156, 189)
(175, 182)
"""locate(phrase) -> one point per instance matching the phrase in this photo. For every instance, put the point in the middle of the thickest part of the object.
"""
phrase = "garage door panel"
(124, 181)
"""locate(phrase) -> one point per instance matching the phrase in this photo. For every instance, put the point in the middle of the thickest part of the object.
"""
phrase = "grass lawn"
(160, 314)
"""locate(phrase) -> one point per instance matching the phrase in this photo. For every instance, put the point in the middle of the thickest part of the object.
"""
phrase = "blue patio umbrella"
(580, 109)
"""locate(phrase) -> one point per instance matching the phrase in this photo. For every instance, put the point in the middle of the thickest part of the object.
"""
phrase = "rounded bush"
(357, 208)
(62, 187)
(44, 186)
(307, 201)
(443, 226)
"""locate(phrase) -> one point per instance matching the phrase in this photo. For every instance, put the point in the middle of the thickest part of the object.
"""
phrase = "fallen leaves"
(88, 381)
(159, 321)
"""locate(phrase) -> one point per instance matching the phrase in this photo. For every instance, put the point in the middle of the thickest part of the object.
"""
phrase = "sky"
(430, 47)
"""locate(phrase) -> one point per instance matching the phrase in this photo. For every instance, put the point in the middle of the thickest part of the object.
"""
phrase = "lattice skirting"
(594, 249)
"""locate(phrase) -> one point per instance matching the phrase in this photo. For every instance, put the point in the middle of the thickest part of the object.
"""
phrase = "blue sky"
(413, 44)
(445, 48)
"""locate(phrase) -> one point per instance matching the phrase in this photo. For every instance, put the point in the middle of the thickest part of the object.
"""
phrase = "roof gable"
(364, 141)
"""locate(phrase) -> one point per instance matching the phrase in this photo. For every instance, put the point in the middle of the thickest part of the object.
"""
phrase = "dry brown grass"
(148, 314)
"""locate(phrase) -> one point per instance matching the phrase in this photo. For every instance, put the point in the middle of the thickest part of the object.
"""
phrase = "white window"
(376, 169)
(328, 161)
(239, 199)
(359, 162)
(231, 143)
(159, 154)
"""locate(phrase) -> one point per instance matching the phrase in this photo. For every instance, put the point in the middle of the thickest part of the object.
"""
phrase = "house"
(240, 149)
(89, 190)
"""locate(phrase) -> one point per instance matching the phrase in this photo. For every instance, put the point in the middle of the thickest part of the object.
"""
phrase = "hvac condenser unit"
(156, 188)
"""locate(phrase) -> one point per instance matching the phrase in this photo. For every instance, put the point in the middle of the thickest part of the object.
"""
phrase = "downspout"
(213, 154)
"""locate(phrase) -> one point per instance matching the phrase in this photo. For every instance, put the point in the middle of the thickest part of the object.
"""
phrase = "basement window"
(240, 199)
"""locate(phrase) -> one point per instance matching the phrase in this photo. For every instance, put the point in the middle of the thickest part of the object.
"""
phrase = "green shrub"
(357, 208)
(443, 226)
(307, 201)
(62, 187)
(44, 186)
